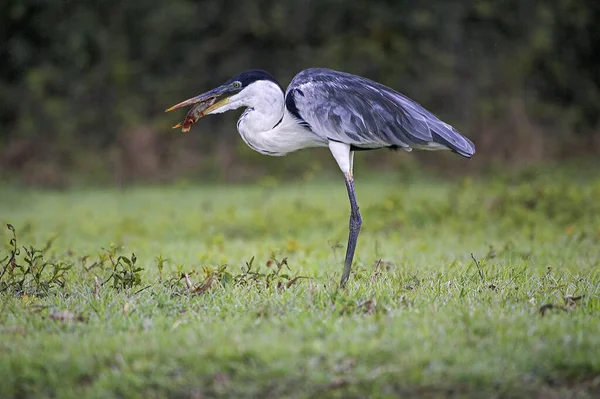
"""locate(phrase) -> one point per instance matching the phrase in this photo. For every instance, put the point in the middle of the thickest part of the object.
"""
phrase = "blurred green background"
(83, 85)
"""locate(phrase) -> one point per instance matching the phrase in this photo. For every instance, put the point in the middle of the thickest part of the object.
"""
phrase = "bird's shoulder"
(322, 78)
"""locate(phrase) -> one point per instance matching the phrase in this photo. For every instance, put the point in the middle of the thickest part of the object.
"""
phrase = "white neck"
(266, 125)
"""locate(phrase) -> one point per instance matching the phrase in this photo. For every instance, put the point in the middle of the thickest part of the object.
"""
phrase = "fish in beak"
(198, 111)
(204, 105)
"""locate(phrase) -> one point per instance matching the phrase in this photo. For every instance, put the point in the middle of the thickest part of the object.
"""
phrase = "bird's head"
(234, 93)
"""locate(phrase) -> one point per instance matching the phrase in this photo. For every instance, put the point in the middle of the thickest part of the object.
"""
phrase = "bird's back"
(351, 109)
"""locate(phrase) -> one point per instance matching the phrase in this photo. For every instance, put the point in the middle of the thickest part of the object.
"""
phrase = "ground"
(469, 287)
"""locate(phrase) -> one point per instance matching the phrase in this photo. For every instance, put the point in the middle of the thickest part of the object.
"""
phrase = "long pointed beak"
(219, 91)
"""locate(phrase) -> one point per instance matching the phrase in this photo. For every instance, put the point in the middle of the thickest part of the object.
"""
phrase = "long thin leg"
(344, 156)
(355, 223)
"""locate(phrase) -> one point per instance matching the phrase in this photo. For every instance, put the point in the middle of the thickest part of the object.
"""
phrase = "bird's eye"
(237, 85)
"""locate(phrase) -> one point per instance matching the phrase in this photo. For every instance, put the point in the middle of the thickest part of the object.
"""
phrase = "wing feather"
(351, 109)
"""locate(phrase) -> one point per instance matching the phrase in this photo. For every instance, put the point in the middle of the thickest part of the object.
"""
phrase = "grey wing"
(365, 114)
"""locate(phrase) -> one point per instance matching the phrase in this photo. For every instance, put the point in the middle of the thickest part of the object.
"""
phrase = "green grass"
(419, 318)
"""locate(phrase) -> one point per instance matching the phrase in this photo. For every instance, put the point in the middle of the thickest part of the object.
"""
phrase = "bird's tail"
(446, 135)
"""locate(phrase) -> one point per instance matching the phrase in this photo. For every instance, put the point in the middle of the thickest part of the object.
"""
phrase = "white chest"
(284, 137)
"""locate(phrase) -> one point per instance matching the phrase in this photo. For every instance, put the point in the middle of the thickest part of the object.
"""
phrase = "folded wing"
(365, 114)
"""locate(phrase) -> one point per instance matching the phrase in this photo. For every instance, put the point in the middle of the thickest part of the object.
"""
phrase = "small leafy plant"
(34, 273)
(125, 274)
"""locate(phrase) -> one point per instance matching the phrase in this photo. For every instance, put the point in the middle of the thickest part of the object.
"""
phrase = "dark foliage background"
(83, 84)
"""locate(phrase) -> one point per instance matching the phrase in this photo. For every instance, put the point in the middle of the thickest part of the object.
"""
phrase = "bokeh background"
(83, 84)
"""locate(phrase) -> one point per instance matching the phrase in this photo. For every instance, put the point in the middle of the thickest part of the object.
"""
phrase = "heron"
(326, 108)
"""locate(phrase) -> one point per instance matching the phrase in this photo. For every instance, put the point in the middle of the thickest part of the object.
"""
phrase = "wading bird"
(326, 108)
